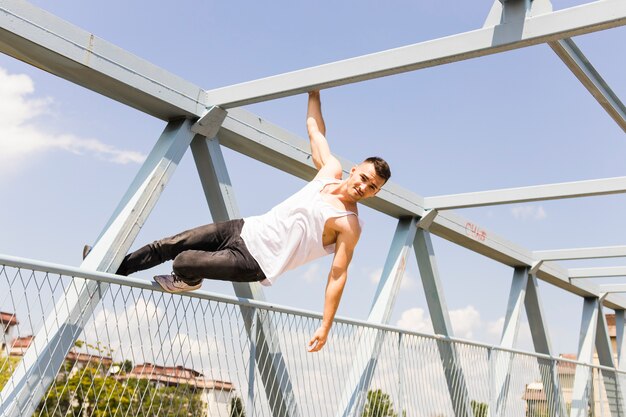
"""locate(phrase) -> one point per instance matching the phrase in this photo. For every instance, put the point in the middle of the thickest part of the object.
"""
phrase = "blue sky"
(519, 118)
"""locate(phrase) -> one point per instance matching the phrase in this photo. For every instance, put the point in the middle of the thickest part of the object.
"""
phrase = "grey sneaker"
(172, 283)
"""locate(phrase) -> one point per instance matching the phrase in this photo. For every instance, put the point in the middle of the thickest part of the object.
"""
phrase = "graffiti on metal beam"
(475, 232)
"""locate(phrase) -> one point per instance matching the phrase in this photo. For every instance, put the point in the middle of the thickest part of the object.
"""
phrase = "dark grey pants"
(214, 251)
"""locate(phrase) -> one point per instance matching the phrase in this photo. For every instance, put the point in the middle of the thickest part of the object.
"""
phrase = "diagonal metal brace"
(269, 359)
(427, 219)
(209, 124)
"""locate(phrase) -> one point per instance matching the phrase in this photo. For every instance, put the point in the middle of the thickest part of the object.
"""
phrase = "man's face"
(363, 181)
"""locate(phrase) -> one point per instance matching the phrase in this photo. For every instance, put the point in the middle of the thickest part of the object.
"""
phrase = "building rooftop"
(22, 342)
(8, 319)
(175, 375)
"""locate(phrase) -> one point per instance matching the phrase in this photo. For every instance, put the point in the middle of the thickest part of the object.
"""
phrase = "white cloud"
(146, 331)
(21, 139)
(529, 212)
(408, 281)
(414, 319)
(465, 321)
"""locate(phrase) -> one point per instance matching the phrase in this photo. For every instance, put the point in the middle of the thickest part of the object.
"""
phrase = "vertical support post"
(400, 373)
(45, 356)
(492, 382)
(252, 336)
(621, 354)
(620, 341)
(457, 387)
(393, 271)
(358, 381)
(505, 11)
(220, 197)
(582, 377)
(605, 358)
(508, 17)
(509, 336)
(541, 342)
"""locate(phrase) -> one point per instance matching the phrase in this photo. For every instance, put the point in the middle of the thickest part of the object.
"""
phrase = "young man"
(320, 219)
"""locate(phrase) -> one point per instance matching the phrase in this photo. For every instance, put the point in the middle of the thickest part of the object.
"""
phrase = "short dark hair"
(380, 166)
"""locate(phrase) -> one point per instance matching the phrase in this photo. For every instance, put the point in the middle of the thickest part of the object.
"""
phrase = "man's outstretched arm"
(337, 278)
(324, 161)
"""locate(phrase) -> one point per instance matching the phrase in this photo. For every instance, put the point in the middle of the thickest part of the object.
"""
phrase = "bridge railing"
(144, 352)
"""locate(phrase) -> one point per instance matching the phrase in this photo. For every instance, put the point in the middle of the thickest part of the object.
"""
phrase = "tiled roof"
(87, 358)
(175, 375)
(534, 394)
(22, 342)
(566, 367)
(8, 319)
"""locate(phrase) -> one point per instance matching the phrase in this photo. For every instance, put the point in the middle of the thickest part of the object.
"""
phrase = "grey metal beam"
(576, 61)
(251, 135)
(43, 40)
(581, 253)
(429, 273)
(566, 49)
(536, 318)
(393, 271)
(358, 381)
(508, 339)
(621, 350)
(501, 10)
(541, 342)
(600, 272)
(427, 220)
(605, 358)
(526, 194)
(612, 288)
(22, 393)
(248, 134)
(400, 373)
(209, 124)
(269, 359)
(619, 338)
(582, 376)
(489, 40)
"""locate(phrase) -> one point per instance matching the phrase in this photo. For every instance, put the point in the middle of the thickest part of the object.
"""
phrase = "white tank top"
(290, 234)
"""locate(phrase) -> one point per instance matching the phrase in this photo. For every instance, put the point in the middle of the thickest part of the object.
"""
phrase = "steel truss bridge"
(83, 316)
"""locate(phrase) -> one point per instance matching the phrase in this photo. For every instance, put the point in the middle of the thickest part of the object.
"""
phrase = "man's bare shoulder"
(348, 226)
(331, 169)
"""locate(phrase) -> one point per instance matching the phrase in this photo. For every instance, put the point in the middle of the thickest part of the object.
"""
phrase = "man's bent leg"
(211, 237)
(226, 265)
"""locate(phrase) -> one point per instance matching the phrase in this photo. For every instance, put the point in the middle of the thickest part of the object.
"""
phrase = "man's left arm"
(344, 248)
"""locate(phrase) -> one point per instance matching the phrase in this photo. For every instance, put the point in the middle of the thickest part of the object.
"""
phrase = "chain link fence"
(144, 352)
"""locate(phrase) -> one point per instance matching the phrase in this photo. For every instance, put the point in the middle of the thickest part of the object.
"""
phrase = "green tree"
(236, 408)
(124, 366)
(479, 409)
(7, 366)
(378, 404)
(127, 366)
(89, 392)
